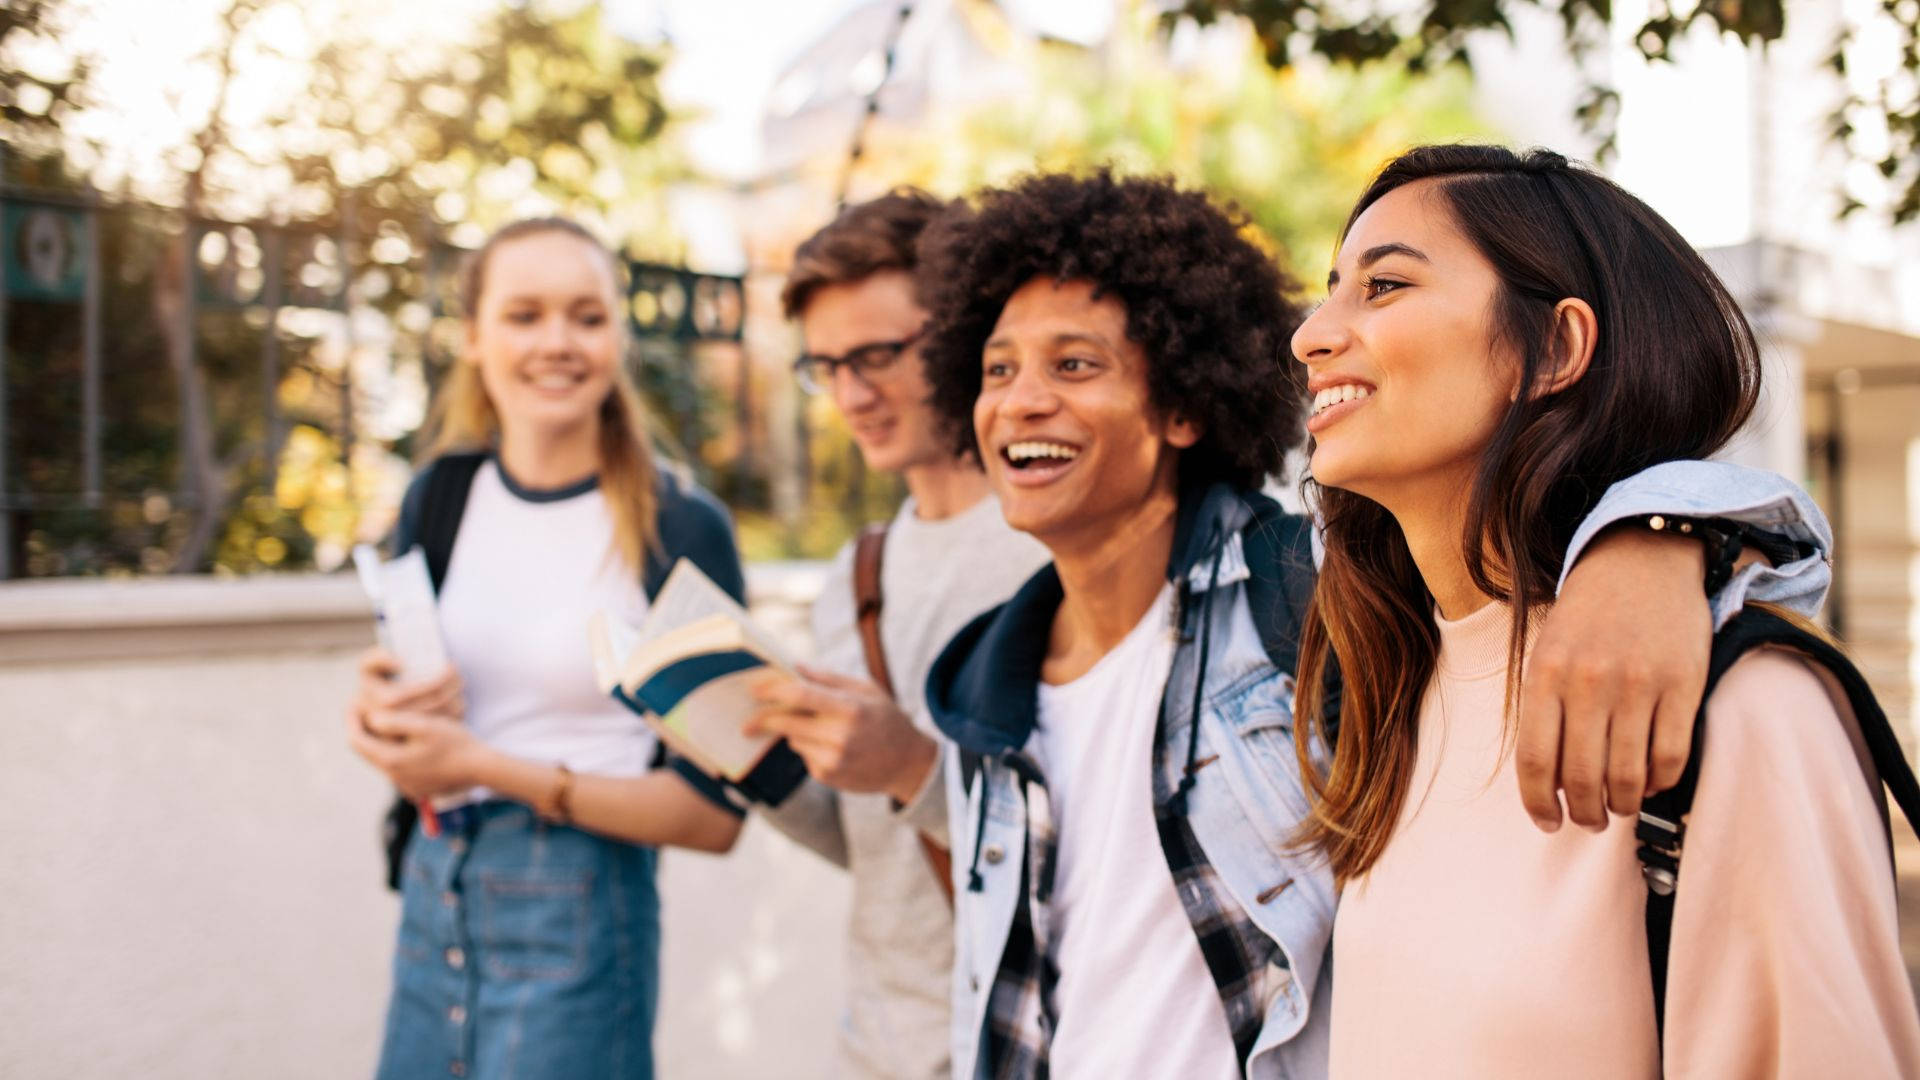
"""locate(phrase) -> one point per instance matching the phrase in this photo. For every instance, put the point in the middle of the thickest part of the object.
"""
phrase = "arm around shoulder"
(1753, 497)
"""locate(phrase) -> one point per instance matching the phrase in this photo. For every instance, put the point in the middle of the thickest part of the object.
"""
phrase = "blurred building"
(1733, 146)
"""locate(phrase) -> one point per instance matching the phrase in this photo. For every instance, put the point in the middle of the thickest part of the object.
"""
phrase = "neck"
(1433, 522)
(1109, 580)
(543, 457)
(949, 487)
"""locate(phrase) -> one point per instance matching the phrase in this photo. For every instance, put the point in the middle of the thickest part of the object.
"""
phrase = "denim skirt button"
(457, 1014)
(457, 1067)
(456, 959)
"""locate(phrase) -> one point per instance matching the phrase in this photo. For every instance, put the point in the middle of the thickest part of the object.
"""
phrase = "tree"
(1878, 124)
(386, 148)
(40, 85)
(381, 147)
(1288, 148)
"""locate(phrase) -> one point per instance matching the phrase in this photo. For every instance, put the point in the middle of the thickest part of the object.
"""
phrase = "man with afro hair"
(1115, 352)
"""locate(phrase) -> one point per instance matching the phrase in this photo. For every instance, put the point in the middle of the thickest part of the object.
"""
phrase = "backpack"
(1663, 817)
(442, 504)
(1277, 601)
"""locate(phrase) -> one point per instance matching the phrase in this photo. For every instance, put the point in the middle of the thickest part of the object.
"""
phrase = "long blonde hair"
(463, 418)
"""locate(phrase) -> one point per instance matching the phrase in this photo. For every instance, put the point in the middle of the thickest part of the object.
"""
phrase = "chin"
(1329, 470)
(558, 414)
(883, 458)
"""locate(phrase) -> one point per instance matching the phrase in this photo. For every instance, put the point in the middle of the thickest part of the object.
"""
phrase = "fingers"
(1583, 760)
(835, 680)
(794, 695)
(1672, 740)
(1536, 752)
(398, 726)
(378, 663)
(794, 726)
(444, 694)
(1629, 728)
(374, 750)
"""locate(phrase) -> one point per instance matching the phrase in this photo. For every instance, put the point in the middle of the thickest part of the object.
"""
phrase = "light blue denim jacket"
(1243, 807)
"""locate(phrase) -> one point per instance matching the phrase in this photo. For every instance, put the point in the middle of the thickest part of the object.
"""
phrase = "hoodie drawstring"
(976, 883)
(1178, 803)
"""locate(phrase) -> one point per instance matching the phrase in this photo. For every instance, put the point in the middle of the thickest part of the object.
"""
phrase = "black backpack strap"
(430, 517)
(1663, 817)
(443, 504)
(1279, 551)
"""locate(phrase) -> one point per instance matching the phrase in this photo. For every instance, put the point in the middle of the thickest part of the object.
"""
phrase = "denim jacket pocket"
(533, 923)
(1265, 763)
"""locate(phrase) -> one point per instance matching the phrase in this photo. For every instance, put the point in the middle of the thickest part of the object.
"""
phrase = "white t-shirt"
(1134, 989)
(528, 569)
(935, 576)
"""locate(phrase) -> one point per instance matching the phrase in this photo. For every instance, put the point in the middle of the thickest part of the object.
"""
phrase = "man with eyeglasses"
(876, 803)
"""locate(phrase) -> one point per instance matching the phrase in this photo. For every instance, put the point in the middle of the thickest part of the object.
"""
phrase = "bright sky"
(726, 56)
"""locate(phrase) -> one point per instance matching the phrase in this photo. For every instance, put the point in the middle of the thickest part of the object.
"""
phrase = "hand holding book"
(852, 734)
(689, 671)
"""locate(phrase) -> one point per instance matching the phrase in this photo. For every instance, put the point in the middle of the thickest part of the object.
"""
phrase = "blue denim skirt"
(528, 951)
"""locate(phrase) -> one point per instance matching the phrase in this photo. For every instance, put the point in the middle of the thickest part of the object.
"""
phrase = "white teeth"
(554, 382)
(1027, 451)
(1335, 395)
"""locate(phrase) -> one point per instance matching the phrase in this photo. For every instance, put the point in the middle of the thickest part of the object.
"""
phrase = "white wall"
(192, 879)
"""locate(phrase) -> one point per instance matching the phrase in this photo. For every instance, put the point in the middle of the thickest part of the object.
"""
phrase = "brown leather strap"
(867, 552)
(868, 549)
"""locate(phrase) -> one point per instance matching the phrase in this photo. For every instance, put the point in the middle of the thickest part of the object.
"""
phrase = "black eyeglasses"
(815, 371)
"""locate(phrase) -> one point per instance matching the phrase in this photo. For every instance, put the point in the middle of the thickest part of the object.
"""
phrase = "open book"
(689, 671)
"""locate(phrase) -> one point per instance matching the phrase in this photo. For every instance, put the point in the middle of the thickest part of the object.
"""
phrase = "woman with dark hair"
(1505, 337)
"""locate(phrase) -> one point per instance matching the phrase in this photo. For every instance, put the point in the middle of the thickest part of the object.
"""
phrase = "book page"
(690, 596)
(406, 615)
(712, 654)
(611, 640)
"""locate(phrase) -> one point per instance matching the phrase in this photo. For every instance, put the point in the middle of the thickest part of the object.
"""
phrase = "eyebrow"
(541, 298)
(1377, 252)
(1085, 337)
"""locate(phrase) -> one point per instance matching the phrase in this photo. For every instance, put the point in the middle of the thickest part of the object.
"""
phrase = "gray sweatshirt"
(935, 577)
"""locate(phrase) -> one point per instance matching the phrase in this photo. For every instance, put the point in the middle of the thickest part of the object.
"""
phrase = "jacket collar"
(983, 689)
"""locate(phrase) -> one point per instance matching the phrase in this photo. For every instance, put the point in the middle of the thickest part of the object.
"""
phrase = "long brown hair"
(464, 419)
(1674, 374)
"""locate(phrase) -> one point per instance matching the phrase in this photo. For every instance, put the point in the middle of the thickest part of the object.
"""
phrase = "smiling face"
(543, 335)
(886, 411)
(1071, 440)
(1408, 384)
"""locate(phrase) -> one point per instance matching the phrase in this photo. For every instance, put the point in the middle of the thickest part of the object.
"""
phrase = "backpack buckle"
(1659, 852)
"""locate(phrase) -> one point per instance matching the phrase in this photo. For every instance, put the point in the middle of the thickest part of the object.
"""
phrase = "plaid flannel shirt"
(1020, 1010)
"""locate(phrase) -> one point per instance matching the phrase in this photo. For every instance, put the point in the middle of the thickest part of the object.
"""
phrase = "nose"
(1027, 394)
(1320, 337)
(556, 336)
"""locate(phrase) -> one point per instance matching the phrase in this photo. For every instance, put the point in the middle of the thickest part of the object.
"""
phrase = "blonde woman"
(529, 935)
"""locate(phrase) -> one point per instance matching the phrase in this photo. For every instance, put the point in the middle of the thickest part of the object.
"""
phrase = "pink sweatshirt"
(1480, 947)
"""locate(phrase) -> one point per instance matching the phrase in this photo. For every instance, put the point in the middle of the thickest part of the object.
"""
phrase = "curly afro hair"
(1208, 307)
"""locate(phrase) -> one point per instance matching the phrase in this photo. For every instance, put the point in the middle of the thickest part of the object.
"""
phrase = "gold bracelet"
(562, 797)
